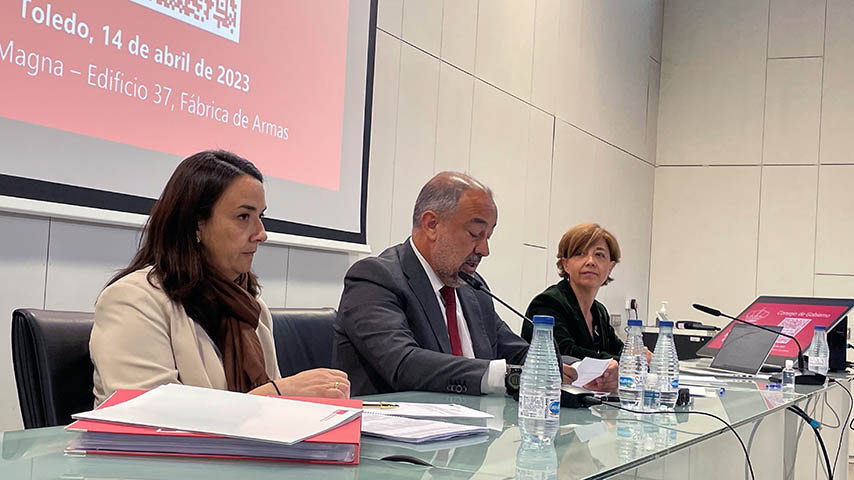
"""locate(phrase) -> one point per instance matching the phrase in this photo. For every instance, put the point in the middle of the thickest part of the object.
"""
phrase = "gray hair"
(442, 194)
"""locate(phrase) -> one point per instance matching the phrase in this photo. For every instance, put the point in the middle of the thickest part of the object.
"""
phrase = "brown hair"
(169, 243)
(579, 238)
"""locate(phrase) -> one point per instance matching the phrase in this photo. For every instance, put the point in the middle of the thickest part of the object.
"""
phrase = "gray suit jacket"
(391, 335)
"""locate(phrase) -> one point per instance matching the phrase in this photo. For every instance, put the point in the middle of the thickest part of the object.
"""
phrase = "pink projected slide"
(262, 78)
(797, 320)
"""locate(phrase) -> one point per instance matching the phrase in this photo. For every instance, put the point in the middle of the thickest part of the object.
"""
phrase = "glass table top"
(591, 442)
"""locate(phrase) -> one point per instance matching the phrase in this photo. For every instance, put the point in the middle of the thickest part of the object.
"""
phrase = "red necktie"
(451, 314)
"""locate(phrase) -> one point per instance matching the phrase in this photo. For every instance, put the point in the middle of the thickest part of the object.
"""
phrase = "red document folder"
(338, 446)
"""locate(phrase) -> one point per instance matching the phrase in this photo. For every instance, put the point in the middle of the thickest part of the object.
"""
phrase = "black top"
(570, 330)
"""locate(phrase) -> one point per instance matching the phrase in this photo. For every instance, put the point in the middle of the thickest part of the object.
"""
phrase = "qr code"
(220, 17)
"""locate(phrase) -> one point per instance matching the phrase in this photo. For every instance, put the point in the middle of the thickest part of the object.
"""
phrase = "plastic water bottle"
(633, 367)
(788, 387)
(652, 393)
(665, 365)
(535, 461)
(819, 352)
(539, 386)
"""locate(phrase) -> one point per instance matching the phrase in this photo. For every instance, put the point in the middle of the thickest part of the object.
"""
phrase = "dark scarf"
(232, 324)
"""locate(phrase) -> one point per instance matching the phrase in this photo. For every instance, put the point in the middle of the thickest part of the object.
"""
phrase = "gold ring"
(336, 385)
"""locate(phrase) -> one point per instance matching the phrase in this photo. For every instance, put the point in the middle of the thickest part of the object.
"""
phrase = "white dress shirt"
(493, 379)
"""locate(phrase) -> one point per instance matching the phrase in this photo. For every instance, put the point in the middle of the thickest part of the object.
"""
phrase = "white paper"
(590, 369)
(696, 391)
(428, 410)
(701, 379)
(230, 414)
(412, 430)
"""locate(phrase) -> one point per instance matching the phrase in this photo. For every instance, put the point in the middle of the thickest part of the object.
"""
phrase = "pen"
(378, 405)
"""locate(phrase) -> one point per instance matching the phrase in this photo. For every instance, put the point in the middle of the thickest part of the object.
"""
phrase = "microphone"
(805, 378)
(689, 324)
(478, 285)
(571, 399)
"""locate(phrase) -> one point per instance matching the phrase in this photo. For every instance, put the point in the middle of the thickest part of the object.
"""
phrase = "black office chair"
(53, 372)
(303, 338)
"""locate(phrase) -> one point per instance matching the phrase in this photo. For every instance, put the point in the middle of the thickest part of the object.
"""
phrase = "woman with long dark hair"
(186, 309)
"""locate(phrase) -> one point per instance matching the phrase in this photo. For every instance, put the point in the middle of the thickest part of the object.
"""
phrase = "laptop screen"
(797, 316)
(745, 349)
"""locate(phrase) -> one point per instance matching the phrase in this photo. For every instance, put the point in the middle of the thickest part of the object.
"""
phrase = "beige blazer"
(141, 339)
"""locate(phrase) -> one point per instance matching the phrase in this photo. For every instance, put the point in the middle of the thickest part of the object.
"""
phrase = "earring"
(198, 240)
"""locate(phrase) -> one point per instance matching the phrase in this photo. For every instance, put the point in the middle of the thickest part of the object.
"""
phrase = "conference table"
(599, 442)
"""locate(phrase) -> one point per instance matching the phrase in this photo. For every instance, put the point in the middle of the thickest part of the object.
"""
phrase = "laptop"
(745, 349)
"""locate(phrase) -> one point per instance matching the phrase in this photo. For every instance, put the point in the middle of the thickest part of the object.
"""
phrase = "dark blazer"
(570, 331)
(391, 335)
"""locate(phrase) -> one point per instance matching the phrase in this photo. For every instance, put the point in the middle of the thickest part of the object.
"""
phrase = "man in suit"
(407, 322)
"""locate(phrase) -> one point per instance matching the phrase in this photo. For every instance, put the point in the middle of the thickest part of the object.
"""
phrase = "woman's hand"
(319, 382)
(607, 382)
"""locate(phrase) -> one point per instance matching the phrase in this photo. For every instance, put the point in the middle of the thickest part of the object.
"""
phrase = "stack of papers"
(192, 421)
(424, 410)
(391, 421)
(414, 431)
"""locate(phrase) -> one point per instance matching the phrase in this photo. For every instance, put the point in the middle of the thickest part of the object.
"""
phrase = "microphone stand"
(806, 377)
(570, 397)
(478, 285)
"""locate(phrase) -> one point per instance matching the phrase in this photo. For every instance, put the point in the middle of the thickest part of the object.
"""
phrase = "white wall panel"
(792, 111)
(595, 182)
(712, 82)
(422, 24)
(837, 94)
(453, 128)
(271, 267)
(459, 33)
(787, 231)
(383, 136)
(316, 278)
(538, 172)
(611, 94)
(416, 134)
(390, 16)
(835, 230)
(657, 17)
(499, 149)
(652, 111)
(704, 238)
(23, 254)
(82, 258)
(574, 197)
(536, 276)
(796, 28)
(569, 62)
(544, 79)
(836, 286)
(505, 45)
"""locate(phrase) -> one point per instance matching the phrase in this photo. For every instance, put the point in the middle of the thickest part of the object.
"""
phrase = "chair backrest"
(53, 371)
(303, 338)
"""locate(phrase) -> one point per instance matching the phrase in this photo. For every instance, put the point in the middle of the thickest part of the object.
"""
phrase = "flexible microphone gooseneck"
(571, 398)
(803, 379)
(478, 285)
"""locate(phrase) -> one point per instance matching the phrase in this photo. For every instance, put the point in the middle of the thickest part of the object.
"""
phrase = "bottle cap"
(665, 323)
(635, 323)
(544, 320)
(789, 364)
(820, 328)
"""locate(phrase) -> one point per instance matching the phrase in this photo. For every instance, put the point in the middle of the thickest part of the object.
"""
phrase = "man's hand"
(608, 381)
(569, 373)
